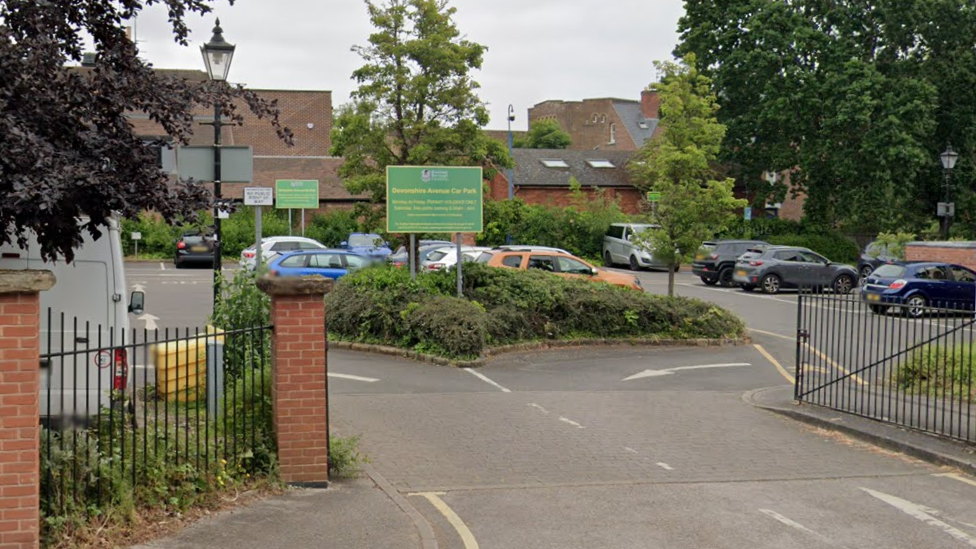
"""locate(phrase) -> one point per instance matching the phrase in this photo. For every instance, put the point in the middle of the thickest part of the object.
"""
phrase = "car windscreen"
(365, 240)
(437, 255)
(889, 271)
(485, 257)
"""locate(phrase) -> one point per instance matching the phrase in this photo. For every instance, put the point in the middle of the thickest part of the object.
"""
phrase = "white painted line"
(631, 450)
(923, 514)
(162, 267)
(467, 538)
(571, 422)
(484, 378)
(540, 408)
(779, 367)
(664, 466)
(774, 334)
(794, 524)
(957, 477)
(671, 371)
(354, 378)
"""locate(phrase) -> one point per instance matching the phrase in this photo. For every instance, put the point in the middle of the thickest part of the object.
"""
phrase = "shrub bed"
(938, 370)
(504, 306)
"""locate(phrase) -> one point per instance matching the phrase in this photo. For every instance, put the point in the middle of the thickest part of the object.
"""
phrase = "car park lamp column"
(948, 162)
(217, 55)
(511, 171)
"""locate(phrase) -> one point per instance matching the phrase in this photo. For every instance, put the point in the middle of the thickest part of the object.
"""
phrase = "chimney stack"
(650, 103)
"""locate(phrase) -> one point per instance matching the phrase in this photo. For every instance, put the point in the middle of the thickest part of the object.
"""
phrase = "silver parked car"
(776, 267)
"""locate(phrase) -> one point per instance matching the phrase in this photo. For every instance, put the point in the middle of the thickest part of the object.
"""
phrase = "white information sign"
(258, 196)
(136, 236)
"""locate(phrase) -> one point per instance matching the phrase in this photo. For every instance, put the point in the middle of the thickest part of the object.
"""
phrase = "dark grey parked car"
(715, 259)
(777, 267)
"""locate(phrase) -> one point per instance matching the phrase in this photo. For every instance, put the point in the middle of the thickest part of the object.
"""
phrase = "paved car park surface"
(609, 447)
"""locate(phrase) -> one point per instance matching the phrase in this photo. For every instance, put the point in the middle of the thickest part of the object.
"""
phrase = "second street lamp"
(217, 55)
(948, 159)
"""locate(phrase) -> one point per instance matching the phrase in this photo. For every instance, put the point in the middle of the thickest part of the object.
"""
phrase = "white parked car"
(273, 246)
(446, 257)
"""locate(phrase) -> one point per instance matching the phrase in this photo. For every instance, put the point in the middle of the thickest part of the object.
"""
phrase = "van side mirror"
(137, 303)
(343, 244)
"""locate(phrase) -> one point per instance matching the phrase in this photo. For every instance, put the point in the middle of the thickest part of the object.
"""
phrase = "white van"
(84, 325)
(619, 247)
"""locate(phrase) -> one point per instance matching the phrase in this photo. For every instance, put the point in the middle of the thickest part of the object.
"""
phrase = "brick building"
(603, 124)
(542, 176)
(308, 113)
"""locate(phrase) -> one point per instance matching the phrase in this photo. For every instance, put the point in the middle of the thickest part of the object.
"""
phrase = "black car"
(715, 260)
(194, 247)
(874, 255)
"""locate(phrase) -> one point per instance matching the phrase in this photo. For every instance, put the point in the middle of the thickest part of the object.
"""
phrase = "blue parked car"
(328, 263)
(919, 285)
(369, 244)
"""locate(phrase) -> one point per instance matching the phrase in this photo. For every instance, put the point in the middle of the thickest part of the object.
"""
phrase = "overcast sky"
(537, 49)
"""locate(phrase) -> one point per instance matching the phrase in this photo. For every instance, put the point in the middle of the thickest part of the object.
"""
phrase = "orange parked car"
(558, 263)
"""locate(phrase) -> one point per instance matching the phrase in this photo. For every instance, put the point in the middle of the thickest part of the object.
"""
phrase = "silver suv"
(620, 247)
(777, 267)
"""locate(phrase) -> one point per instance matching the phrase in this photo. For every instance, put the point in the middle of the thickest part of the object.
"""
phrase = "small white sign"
(258, 196)
(103, 359)
(136, 236)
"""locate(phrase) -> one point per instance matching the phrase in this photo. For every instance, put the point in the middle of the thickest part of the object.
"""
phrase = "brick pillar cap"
(305, 285)
(25, 281)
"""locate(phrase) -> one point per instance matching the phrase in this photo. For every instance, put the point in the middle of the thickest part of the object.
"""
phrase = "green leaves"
(416, 102)
(544, 134)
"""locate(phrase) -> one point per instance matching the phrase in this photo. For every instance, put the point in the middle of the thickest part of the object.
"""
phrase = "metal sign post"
(136, 237)
(458, 237)
(412, 257)
(257, 197)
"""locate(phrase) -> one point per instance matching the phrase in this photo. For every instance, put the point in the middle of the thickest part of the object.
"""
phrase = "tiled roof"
(530, 171)
(640, 128)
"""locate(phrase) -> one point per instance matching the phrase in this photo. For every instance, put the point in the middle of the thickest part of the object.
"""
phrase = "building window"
(613, 133)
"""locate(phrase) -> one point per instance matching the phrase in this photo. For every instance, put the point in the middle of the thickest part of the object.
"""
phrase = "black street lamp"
(511, 171)
(948, 162)
(217, 55)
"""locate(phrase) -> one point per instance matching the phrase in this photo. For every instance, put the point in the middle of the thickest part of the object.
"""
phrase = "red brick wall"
(588, 123)
(650, 104)
(299, 387)
(19, 414)
(629, 198)
(960, 253)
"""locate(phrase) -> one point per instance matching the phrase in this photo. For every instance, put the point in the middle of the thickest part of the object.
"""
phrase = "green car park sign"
(433, 199)
(297, 194)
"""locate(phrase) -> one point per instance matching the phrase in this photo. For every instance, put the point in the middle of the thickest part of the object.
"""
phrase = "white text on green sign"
(297, 194)
(421, 199)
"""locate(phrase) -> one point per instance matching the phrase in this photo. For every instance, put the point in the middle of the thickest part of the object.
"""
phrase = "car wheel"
(725, 277)
(879, 309)
(747, 287)
(176, 261)
(607, 260)
(843, 284)
(866, 271)
(915, 306)
(709, 281)
(634, 266)
(771, 284)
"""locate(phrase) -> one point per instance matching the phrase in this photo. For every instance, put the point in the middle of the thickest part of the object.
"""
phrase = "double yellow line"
(783, 371)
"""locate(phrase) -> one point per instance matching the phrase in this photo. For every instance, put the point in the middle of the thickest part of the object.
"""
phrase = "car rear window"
(889, 271)
(193, 239)
(751, 254)
(485, 257)
(436, 255)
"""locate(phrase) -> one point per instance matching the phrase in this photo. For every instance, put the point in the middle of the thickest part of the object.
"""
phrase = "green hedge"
(501, 306)
(828, 242)
(938, 370)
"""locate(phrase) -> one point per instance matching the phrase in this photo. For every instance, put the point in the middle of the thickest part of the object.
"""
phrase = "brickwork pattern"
(299, 388)
(965, 256)
(629, 198)
(19, 412)
(587, 122)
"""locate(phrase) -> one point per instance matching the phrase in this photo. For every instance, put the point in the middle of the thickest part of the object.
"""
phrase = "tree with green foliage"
(416, 102)
(679, 164)
(854, 99)
(544, 134)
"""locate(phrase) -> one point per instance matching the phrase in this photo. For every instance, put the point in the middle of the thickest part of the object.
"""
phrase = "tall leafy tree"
(679, 163)
(545, 134)
(854, 99)
(416, 102)
(67, 148)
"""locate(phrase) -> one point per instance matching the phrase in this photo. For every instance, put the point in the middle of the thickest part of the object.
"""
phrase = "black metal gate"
(909, 366)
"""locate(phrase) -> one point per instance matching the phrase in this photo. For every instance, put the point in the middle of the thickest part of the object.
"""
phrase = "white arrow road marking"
(354, 378)
(138, 288)
(540, 408)
(467, 538)
(794, 524)
(923, 514)
(671, 371)
(150, 321)
(664, 466)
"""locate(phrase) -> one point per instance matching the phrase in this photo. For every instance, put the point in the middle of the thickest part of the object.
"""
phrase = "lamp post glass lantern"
(948, 159)
(217, 55)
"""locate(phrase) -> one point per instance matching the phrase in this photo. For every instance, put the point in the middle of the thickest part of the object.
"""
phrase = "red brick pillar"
(299, 386)
(20, 355)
